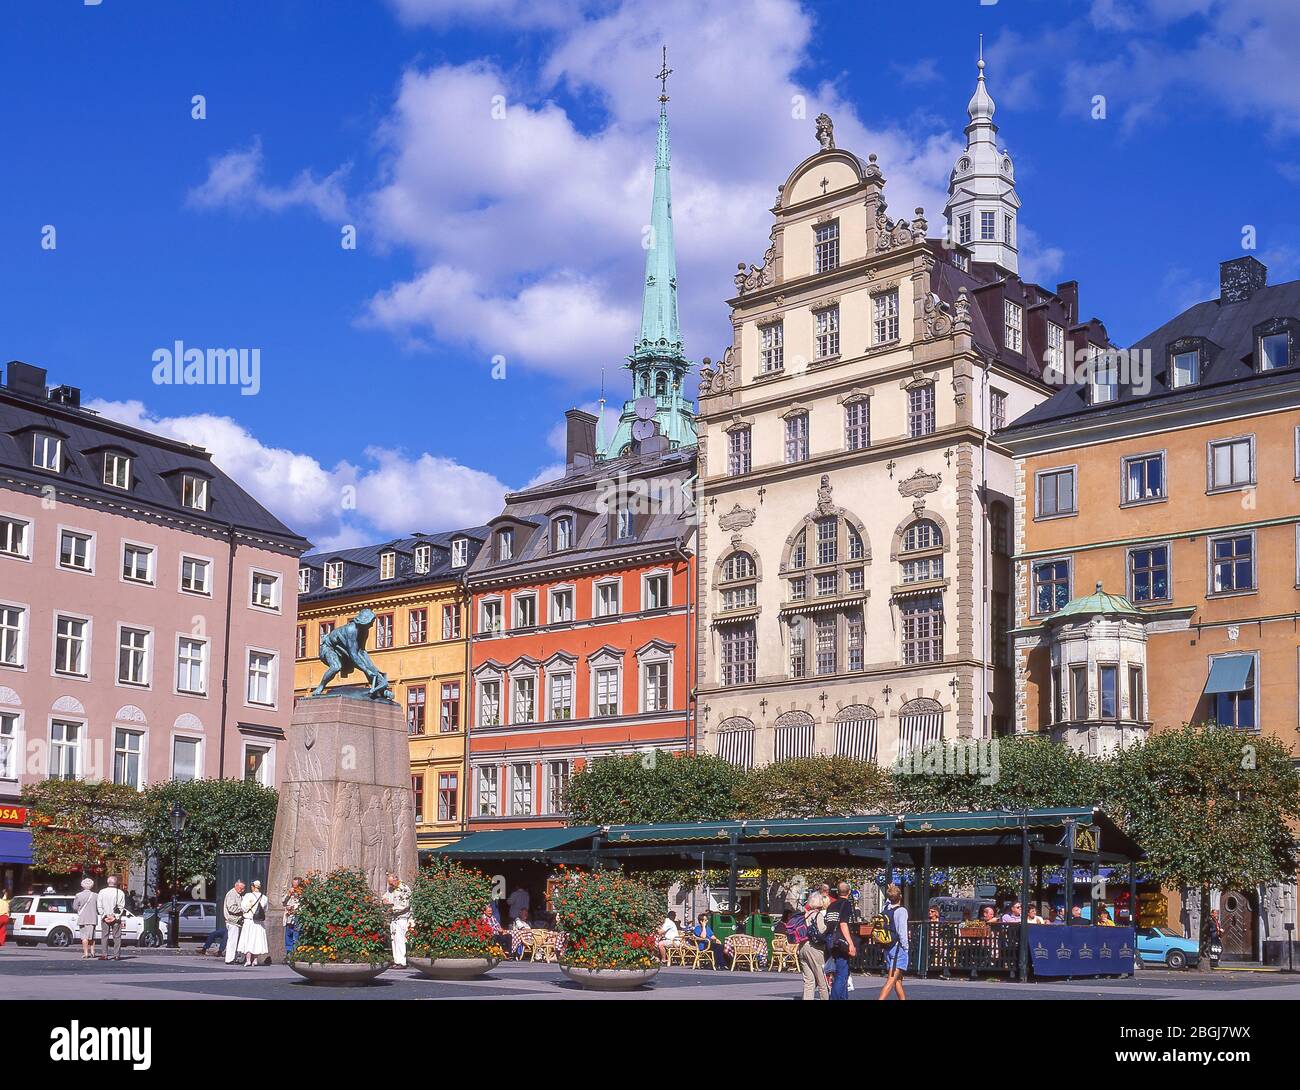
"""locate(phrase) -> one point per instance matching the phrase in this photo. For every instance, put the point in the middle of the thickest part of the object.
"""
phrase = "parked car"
(198, 918)
(49, 918)
(1164, 946)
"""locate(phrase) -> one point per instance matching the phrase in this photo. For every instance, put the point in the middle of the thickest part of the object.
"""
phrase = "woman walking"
(811, 954)
(85, 905)
(252, 932)
(896, 954)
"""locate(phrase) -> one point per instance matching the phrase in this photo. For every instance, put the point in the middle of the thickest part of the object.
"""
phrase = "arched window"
(661, 384)
(920, 724)
(855, 732)
(794, 736)
(923, 536)
(738, 582)
(739, 565)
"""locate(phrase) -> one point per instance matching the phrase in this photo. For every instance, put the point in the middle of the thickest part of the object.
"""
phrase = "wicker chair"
(703, 956)
(784, 956)
(747, 950)
(678, 952)
(545, 945)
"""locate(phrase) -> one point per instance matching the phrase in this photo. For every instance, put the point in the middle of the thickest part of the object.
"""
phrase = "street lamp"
(178, 817)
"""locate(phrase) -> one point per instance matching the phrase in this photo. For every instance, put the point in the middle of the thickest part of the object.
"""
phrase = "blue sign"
(1057, 950)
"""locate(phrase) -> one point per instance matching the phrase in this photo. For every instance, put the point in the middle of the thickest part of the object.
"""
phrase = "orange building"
(583, 618)
(1157, 551)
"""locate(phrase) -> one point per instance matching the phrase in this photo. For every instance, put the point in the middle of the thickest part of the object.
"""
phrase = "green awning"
(673, 832)
(1230, 674)
(992, 821)
(513, 842)
(819, 828)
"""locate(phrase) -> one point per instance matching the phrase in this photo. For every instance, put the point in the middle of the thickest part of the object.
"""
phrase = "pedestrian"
(840, 947)
(398, 900)
(811, 956)
(216, 938)
(4, 915)
(232, 908)
(290, 904)
(109, 906)
(86, 905)
(252, 927)
(896, 953)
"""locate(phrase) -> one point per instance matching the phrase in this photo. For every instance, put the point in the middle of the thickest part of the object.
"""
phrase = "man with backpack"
(895, 917)
(839, 944)
(811, 953)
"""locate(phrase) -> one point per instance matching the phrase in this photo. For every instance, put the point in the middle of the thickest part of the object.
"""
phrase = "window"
(13, 537)
(1012, 320)
(300, 645)
(383, 631)
(126, 758)
(261, 678)
(884, 308)
(451, 622)
(449, 708)
(739, 598)
(826, 249)
(191, 666)
(922, 534)
(137, 563)
(960, 261)
(827, 583)
(521, 790)
(920, 410)
(988, 226)
(257, 765)
(828, 332)
(1000, 521)
(387, 565)
(266, 591)
(12, 627)
(1136, 694)
(1148, 573)
(117, 470)
(415, 709)
(919, 570)
(525, 702)
(828, 530)
(607, 702)
(624, 523)
(65, 750)
(423, 559)
(489, 703)
(799, 551)
(1108, 690)
(1274, 351)
(562, 534)
(1144, 478)
(798, 648)
(656, 592)
(857, 424)
(825, 644)
(1051, 589)
(1232, 688)
(133, 656)
(1232, 561)
(557, 783)
(562, 605)
(334, 574)
(185, 759)
(1105, 376)
(772, 347)
(1054, 351)
(856, 550)
(997, 410)
(487, 791)
(194, 575)
(1008, 230)
(71, 635)
(739, 652)
(561, 696)
(47, 452)
(1078, 692)
(923, 630)
(1056, 492)
(656, 687)
(855, 627)
(459, 552)
(417, 797)
(1000, 625)
(448, 790)
(607, 599)
(1232, 463)
(491, 616)
(1186, 369)
(963, 228)
(417, 626)
(855, 577)
(738, 451)
(525, 611)
(796, 438)
(194, 492)
(326, 627)
(738, 566)
(75, 550)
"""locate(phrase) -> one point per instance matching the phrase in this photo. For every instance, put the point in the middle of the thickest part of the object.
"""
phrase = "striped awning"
(916, 732)
(856, 738)
(736, 746)
(794, 740)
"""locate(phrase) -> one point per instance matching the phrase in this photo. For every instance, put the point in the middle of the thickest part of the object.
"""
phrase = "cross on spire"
(662, 76)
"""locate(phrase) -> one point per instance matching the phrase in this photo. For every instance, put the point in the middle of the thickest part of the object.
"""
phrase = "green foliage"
(80, 827)
(814, 787)
(221, 816)
(447, 914)
(341, 920)
(609, 920)
(653, 787)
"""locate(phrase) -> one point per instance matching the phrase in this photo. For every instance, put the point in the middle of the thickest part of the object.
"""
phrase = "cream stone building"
(856, 513)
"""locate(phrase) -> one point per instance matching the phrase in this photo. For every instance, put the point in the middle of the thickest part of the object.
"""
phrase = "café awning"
(515, 843)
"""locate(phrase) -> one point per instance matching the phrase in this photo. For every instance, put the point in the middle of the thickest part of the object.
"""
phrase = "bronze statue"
(344, 650)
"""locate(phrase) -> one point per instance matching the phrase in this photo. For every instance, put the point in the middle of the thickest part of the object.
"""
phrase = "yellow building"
(419, 639)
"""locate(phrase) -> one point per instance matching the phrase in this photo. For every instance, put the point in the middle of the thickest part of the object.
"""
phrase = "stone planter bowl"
(609, 980)
(453, 968)
(340, 974)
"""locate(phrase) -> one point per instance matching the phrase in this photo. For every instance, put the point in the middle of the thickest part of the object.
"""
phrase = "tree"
(653, 787)
(84, 827)
(221, 816)
(806, 787)
(1210, 807)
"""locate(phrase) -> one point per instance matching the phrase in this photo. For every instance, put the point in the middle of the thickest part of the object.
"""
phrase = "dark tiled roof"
(361, 565)
(1227, 331)
(155, 464)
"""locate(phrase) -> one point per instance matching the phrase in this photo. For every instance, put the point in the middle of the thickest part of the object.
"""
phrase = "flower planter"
(453, 968)
(609, 980)
(340, 974)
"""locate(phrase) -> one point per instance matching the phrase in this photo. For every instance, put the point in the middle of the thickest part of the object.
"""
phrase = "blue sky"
(518, 235)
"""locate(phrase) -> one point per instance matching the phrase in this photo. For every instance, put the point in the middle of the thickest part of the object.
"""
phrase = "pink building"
(147, 603)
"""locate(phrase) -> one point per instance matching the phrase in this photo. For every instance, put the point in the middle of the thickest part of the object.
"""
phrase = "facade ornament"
(825, 132)
(919, 483)
(738, 518)
(919, 226)
(719, 380)
(871, 170)
(961, 312)
(936, 317)
(960, 387)
(824, 504)
(757, 276)
(706, 376)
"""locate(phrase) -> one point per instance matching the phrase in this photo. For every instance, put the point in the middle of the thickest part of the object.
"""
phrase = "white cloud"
(235, 180)
(1038, 263)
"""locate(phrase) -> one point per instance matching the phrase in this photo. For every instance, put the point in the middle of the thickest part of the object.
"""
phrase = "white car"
(49, 918)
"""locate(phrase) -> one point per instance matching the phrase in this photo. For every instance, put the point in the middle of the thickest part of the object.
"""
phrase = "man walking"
(398, 900)
(290, 903)
(840, 947)
(232, 908)
(896, 954)
(110, 904)
(86, 905)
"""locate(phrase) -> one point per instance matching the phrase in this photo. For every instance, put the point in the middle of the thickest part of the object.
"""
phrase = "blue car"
(1163, 946)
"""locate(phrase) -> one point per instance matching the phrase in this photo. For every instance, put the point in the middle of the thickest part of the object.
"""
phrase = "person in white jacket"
(232, 910)
(110, 904)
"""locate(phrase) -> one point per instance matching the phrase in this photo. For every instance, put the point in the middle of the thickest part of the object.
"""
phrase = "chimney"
(25, 379)
(1240, 278)
(579, 437)
(1068, 293)
(67, 395)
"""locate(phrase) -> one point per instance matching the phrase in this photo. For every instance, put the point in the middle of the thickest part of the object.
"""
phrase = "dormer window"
(423, 557)
(117, 470)
(1105, 377)
(194, 492)
(1013, 327)
(1186, 369)
(1274, 351)
(47, 452)
(304, 580)
(459, 552)
(562, 534)
(826, 249)
(387, 565)
(505, 544)
(333, 574)
(960, 261)
(624, 524)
